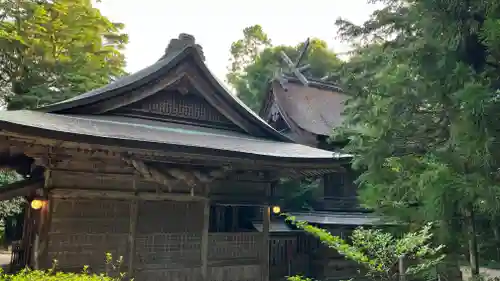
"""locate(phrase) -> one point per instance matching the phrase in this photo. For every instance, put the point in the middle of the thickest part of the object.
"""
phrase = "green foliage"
(254, 60)
(379, 252)
(54, 275)
(299, 278)
(53, 50)
(39, 275)
(13, 206)
(298, 194)
(422, 121)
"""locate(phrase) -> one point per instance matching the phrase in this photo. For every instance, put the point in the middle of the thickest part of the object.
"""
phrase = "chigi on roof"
(302, 107)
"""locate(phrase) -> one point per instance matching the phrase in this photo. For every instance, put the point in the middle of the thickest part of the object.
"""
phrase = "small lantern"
(276, 209)
(37, 204)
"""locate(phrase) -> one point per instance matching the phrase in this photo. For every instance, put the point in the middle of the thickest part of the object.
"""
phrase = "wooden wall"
(167, 241)
(82, 231)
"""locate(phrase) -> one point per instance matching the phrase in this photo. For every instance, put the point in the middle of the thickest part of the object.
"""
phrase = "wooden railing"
(229, 246)
(288, 256)
(17, 260)
(234, 256)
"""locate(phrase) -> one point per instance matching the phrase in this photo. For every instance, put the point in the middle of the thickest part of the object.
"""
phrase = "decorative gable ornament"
(294, 67)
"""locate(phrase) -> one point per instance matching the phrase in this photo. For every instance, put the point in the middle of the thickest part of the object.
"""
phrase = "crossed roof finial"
(295, 67)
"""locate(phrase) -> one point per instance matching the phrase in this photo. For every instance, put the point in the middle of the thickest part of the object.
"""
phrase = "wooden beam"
(294, 69)
(114, 194)
(266, 221)
(173, 176)
(187, 177)
(151, 174)
(302, 53)
(212, 175)
(247, 200)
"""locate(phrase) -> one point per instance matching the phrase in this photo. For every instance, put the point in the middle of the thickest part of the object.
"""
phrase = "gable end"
(174, 106)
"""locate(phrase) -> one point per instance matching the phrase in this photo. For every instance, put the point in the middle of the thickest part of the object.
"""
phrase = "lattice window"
(176, 105)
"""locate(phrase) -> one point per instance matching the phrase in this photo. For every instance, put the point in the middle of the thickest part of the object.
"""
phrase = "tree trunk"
(449, 269)
(496, 234)
(473, 251)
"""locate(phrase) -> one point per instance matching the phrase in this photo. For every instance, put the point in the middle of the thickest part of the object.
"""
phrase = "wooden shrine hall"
(163, 167)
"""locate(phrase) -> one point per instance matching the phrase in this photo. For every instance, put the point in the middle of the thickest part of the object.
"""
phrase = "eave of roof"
(162, 136)
(278, 226)
(340, 218)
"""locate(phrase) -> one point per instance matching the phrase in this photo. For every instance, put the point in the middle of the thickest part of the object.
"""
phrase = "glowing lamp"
(36, 204)
(276, 209)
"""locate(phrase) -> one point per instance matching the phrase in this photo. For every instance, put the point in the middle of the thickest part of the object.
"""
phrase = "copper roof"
(164, 134)
(314, 109)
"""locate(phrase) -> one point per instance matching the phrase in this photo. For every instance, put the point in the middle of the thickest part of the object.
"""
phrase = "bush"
(40, 275)
(379, 253)
(54, 275)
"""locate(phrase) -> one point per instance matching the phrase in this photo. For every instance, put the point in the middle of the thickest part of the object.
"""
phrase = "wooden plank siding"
(83, 230)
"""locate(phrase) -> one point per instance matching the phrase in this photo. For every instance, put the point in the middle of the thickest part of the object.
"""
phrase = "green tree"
(254, 61)
(422, 121)
(53, 50)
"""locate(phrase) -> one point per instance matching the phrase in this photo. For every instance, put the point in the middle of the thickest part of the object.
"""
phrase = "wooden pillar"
(266, 221)
(41, 243)
(46, 221)
(234, 210)
(134, 212)
(204, 240)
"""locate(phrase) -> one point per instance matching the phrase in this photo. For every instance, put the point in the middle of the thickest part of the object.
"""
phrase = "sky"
(215, 24)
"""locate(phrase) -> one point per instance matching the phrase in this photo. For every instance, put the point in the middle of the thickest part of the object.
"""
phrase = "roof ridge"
(316, 83)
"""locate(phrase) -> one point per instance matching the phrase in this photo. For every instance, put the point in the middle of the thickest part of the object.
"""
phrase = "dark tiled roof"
(143, 76)
(314, 109)
(147, 131)
(155, 71)
(339, 218)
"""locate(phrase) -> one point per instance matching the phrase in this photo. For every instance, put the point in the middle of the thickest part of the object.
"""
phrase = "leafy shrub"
(112, 269)
(379, 253)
